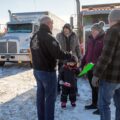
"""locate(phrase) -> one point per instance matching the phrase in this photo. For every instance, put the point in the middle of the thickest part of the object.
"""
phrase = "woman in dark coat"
(94, 49)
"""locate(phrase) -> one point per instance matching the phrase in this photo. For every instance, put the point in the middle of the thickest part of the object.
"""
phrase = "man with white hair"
(45, 51)
(107, 69)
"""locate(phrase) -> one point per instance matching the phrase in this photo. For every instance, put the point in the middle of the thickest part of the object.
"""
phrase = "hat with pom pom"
(98, 26)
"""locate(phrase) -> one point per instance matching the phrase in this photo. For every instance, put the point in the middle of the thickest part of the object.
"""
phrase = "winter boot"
(63, 105)
(92, 106)
(97, 112)
(73, 104)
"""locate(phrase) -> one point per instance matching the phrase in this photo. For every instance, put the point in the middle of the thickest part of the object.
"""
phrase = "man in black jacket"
(45, 51)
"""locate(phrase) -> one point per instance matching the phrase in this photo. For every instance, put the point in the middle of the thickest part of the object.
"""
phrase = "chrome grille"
(3, 47)
(8, 47)
(12, 47)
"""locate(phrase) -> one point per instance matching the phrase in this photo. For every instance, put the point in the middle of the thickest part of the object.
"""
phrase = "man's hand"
(79, 62)
(95, 81)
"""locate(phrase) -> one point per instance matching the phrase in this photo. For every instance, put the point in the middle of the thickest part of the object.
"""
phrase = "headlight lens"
(24, 51)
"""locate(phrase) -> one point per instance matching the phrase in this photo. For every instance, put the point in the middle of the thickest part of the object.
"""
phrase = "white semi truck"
(14, 45)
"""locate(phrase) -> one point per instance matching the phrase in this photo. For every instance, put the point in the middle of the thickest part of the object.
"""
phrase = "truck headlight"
(24, 51)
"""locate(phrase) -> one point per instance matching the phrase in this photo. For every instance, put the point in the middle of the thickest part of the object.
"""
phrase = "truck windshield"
(19, 28)
(91, 19)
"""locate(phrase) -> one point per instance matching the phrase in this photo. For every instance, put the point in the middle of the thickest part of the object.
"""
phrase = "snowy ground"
(18, 93)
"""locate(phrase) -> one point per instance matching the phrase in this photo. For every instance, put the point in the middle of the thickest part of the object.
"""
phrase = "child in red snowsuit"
(68, 80)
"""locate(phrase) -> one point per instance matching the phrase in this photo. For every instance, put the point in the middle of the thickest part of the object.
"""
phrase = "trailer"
(15, 44)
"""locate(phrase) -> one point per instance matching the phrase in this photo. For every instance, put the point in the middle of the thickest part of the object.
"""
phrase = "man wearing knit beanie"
(107, 69)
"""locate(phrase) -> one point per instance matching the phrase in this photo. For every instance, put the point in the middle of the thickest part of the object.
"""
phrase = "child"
(68, 81)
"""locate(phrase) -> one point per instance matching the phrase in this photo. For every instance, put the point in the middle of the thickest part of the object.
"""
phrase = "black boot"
(97, 112)
(92, 106)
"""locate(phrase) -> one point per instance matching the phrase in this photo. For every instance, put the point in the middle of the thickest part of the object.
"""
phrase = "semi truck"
(15, 44)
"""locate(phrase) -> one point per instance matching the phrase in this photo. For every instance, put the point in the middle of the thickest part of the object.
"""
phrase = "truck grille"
(3, 47)
(12, 47)
(8, 47)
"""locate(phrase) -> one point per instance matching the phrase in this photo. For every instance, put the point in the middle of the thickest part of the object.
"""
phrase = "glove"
(66, 84)
(95, 81)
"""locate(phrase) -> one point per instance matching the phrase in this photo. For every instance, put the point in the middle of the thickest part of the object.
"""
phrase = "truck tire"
(2, 63)
(31, 65)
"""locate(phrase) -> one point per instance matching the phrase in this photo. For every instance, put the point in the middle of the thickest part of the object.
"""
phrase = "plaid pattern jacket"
(108, 65)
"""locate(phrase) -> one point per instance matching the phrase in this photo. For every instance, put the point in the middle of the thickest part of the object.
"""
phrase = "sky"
(62, 8)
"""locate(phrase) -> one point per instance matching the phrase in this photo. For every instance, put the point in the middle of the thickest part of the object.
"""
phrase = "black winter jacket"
(45, 50)
(69, 74)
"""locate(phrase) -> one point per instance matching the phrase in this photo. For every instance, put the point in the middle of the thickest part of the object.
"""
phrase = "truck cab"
(15, 44)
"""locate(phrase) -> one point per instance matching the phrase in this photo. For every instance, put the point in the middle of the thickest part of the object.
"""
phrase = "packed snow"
(18, 97)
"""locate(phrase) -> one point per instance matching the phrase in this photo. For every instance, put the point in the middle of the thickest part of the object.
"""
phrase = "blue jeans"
(46, 94)
(107, 91)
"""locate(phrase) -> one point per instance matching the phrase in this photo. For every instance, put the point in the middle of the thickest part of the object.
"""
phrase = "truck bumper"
(15, 57)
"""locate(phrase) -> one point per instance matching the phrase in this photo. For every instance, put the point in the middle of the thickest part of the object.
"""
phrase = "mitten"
(66, 84)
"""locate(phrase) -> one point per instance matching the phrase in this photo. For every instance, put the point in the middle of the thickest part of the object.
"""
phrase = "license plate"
(7, 56)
